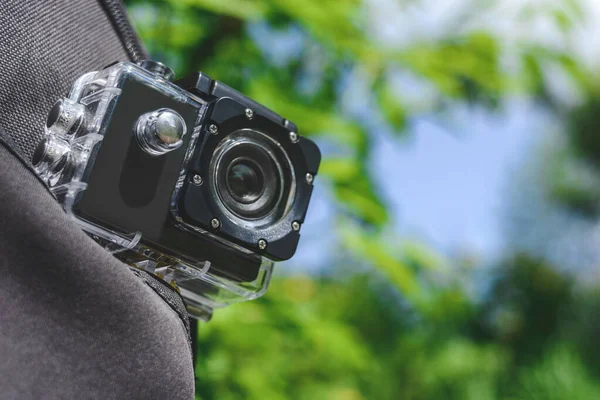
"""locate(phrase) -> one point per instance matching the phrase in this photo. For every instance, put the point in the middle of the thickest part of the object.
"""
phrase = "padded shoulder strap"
(74, 321)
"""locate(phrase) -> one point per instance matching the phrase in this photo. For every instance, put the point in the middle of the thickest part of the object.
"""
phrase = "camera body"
(190, 180)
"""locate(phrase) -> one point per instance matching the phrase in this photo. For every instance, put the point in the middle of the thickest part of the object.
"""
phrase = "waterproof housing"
(191, 181)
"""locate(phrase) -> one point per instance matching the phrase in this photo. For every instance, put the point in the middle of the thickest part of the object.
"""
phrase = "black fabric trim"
(170, 296)
(115, 10)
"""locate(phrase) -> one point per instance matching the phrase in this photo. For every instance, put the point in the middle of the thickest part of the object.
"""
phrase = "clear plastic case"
(75, 132)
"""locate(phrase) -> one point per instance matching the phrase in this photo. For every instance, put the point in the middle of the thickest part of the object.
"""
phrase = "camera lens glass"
(252, 178)
(245, 180)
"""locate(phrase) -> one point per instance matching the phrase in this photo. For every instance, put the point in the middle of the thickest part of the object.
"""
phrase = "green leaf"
(243, 9)
(354, 190)
(340, 169)
(533, 75)
(365, 205)
(562, 20)
(447, 64)
(423, 256)
(333, 22)
(390, 106)
(369, 247)
(575, 70)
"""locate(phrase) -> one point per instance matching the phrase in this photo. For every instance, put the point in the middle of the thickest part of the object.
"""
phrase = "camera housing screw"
(249, 113)
(262, 244)
(310, 178)
(197, 179)
(213, 129)
(215, 223)
(294, 137)
(296, 226)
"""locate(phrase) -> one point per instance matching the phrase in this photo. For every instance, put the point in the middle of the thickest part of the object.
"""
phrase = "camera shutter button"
(160, 131)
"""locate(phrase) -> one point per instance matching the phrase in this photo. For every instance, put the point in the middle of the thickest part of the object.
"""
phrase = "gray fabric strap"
(45, 46)
(169, 296)
(74, 321)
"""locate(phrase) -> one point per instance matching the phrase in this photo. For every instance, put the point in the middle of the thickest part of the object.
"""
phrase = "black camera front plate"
(198, 205)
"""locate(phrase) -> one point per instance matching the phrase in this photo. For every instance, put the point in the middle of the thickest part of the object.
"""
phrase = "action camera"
(189, 180)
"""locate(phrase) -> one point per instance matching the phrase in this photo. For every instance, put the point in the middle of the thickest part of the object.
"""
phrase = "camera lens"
(252, 178)
(245, 180)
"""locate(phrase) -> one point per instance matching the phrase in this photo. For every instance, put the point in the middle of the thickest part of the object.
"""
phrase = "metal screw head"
(213, 129)
(197, 179)
(296, 226)
(310, 178)
(262, 244)
(294, 137)
(249, 113)
(215, 223)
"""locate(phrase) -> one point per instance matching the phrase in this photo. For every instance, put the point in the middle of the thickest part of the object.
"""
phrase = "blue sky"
(447, 182)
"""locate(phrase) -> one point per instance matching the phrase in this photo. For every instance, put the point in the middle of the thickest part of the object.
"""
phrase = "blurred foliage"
(584, 130)
(412, 327)
(352, 339)
(561, 375)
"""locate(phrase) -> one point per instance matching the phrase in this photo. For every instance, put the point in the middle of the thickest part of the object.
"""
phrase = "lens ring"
(265, 192)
